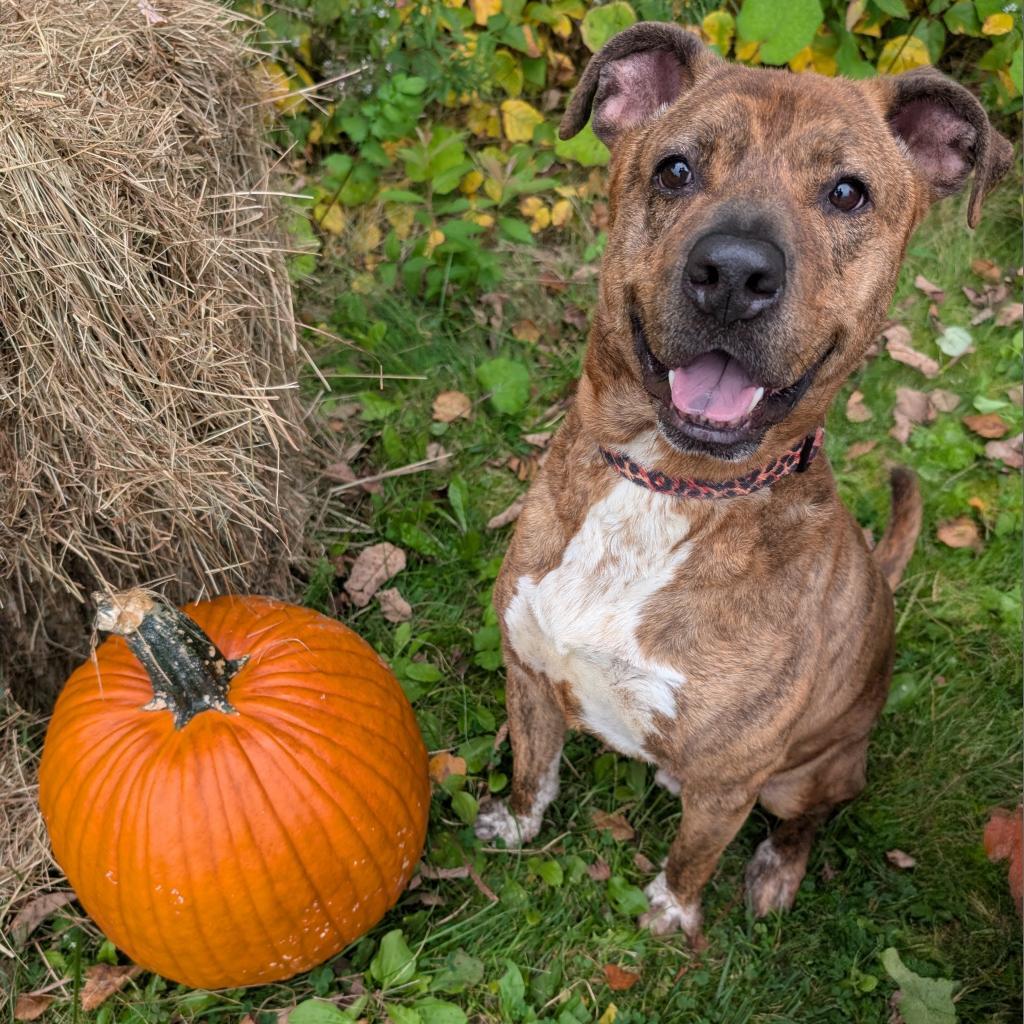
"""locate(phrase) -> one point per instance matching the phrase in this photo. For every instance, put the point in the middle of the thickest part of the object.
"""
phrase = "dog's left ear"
(633, 76)
(947, 134)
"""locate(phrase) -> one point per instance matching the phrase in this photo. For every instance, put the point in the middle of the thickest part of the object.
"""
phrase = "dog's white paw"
(668, 915)
(666, 781)
(771, 880)
(495, 821)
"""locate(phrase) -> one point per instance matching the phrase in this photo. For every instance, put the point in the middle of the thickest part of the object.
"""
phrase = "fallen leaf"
(828, 872)
(620, 980)
(599, 871)
(988, 270)
(899, 859)
(451, 405)
(912, 408)
(102, 981)
(553, 282)
(1003, 842)
(393, 606)
(1016, 394)
(150, 13)
(371, 570)
(538, 440)
(979, 318)
(34, 913)
(526, 330)
(615, 823)
(859, 448)
(341, 472)
(922, 1000)
(509, 515)
(642, 863)
(1008, 452)
(1011, 313)
(989, 424)
(897, 344)
(444, 764)
(942, 400)
(575, 317)
(31, 1006)
(933, 291)
(961, 532)
(856, 410)
(437, 451)
(955, 342)
(525, 468)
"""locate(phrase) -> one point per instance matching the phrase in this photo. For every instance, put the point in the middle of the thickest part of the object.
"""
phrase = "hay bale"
(147, 425)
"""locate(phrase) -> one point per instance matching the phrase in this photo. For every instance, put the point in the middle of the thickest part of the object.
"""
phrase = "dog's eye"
(848, 195)
(673, 174)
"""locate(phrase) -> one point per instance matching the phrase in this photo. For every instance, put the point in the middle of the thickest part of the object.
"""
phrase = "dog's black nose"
(731, 277)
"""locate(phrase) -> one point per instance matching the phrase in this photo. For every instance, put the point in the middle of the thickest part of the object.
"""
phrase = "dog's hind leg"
(537, 730)
(803, 797)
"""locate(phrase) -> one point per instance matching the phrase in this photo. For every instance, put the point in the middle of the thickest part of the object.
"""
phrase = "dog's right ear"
(632, 77)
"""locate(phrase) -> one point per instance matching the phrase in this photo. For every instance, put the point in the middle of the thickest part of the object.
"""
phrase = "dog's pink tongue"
(714, 386)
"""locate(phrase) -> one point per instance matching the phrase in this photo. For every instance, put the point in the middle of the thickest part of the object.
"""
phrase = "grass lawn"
(946, 751)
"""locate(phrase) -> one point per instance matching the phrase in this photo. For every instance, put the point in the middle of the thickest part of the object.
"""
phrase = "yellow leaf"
(609, 1015)
(434, 239)
(493, 190)
(720, 29)
(519, 120)
(367, 239)
(854, 12)
(811, 59)
(997, 24)
(484, 9)
(316, 133)
(485, 220)
(562, 69)
(362, 284)
(541, 219)
(747, 52)
(529, 206)
(455, 3)
(400, 216)
(562, 27)
(561, 213)
(330, 218)
(903, 53)
(532, 46)
(802, 61)
(482, 119)
(866, 26)
(471, 182)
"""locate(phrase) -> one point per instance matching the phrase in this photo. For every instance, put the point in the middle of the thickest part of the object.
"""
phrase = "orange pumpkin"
(235, 793)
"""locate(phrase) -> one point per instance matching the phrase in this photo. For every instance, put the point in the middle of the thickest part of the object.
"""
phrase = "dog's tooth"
(754, 399)
(671, 377)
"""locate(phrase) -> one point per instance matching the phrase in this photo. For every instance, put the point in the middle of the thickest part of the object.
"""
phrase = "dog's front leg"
(536, 728)
(707, 828)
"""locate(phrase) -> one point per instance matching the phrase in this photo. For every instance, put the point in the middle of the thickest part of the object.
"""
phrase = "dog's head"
(758, 221)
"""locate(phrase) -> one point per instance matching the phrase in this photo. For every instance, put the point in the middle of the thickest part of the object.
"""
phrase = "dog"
(684, 583)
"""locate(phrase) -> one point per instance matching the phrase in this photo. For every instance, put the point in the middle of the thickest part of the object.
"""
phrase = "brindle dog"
(741, 644)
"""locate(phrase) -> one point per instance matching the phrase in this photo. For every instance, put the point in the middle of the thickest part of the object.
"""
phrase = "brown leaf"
(31, 1006)
(371, 570)
(642, 863)
(899, 859)
(1002, 842)
(1011, 313)
(526, 330)
(510, 515)
(856, 410)
(444, 764)
(1016, 394)
(988, 424)
(933, 291)
(150, 13)
(912, 407)
(942, 400)
(620, 980)
(961, 532)
(599, 871)
(552, 281)
(102, 981)
(988, 270)
(1008, 452)
(859, 448)
(982, 315)
(451, 405)
(393, 606)
(341, 472)
(34, 913)
(616, 823)
(538, 440)
(437, 451)
(575, 317)
(897, 344)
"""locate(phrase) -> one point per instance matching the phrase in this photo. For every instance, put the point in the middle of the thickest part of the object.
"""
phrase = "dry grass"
(147, 423)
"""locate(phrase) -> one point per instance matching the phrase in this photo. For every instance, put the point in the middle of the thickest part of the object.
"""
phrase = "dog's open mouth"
(713, 403)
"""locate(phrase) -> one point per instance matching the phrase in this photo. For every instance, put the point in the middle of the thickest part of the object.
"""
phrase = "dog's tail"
(896, 546)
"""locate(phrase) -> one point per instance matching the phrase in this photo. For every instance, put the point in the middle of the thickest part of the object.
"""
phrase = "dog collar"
(795, 460)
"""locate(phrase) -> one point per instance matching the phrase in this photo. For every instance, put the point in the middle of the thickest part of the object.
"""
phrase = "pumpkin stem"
(186, 670)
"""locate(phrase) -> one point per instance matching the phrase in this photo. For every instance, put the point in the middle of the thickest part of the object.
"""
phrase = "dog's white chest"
(578, 624)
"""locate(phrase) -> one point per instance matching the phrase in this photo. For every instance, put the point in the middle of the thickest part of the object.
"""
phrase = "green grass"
(945, 752)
